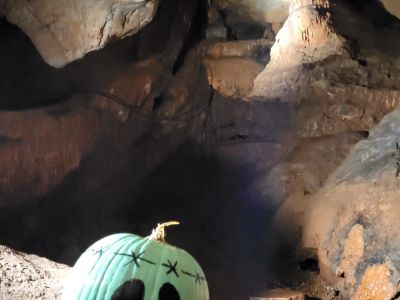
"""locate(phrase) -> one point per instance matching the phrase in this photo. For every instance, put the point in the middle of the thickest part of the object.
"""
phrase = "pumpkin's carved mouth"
(130, 290)
(135, 289)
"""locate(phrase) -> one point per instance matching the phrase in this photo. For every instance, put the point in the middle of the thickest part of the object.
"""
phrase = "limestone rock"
(306, 37)
(232, 66)
(63, 31)
(26, 277)
(352, 218)
(232, 77)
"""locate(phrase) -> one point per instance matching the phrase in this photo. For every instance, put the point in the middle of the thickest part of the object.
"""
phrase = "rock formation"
(352, 219)
(230, 116)
(64, 31)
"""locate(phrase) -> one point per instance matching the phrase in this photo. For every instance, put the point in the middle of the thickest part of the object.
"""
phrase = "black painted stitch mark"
(197, 277)
(171, 267)
(136, 258)
(100, 251)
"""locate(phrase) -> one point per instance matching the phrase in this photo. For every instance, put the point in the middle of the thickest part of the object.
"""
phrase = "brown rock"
(280, 294)
(353, 253)
(305, 37)
(359, 205)
(376, 284)
(232, 77)
(38, 148)
(237, 49)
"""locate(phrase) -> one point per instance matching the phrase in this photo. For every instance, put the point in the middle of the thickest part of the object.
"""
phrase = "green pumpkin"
(120, 258)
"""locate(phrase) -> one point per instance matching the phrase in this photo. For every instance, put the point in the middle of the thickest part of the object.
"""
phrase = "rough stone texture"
(294, 182)
(256, 49)
(233, 77)
(363, 191)
(232, 66)
(280, 294)
(392, 6)
(38, 148)
(28, 277)
(306, 37)
(63, 31)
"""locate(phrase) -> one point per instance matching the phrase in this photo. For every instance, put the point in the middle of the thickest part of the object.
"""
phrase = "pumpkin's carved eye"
(168, 292)
(129, 290)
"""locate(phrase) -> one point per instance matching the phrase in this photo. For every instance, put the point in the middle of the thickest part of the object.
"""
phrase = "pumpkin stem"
(158, 234)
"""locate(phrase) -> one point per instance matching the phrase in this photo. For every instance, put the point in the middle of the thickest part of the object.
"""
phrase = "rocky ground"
(26, 276)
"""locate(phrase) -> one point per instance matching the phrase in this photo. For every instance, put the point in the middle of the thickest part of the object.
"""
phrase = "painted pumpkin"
(126, 266)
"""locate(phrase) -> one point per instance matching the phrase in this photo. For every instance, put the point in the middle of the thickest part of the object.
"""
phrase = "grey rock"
(362, 195)
(25, 277)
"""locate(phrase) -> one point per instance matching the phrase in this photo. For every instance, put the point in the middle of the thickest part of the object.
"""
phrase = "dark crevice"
(372, 10)
(230, 32)
(154, 37)
(238, 137)
(362, 62)
(364, 134)
(196, 33)
(396, 297)
(158, 101)
(309, 264)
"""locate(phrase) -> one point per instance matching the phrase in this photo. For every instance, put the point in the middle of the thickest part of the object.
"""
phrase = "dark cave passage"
(223, 224)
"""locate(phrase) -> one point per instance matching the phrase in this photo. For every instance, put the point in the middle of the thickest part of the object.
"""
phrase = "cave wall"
(231, 130)
(64, 31)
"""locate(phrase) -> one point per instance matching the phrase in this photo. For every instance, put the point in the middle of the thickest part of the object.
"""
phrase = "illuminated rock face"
(259, 11)
(63, 31)
(306, 37)
(392, 6)
(351, 219)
